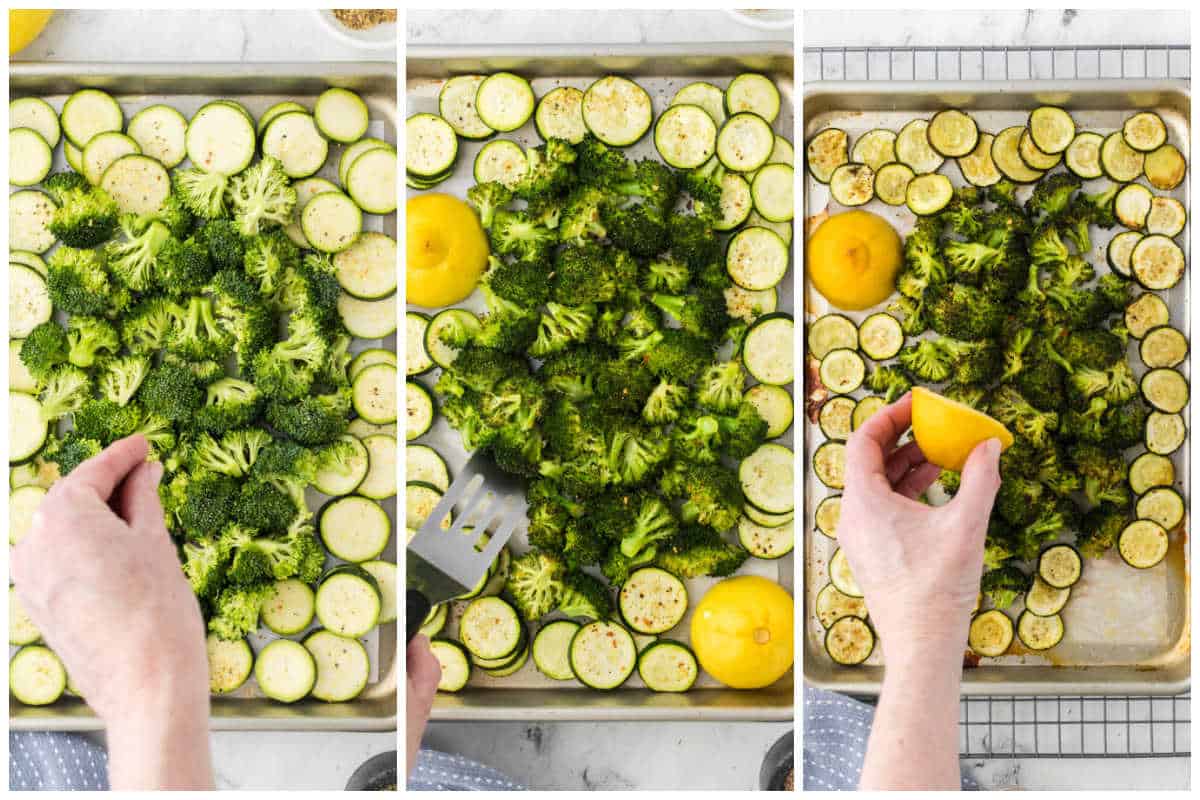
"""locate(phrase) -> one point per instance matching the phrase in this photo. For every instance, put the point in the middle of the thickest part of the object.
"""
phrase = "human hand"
(423, 671)
(918, 566)
(99, 576)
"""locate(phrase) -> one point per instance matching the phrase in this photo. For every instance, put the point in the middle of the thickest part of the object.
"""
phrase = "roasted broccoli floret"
(488, 198)
(584, 596)
(711, 494)
(665, 403)
(535, 583)
(1003, 585)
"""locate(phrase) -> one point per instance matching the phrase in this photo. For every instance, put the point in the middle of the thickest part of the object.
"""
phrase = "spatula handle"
(416, 609)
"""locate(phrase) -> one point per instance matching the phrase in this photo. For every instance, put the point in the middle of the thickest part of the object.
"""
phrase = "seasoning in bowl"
(361, 19)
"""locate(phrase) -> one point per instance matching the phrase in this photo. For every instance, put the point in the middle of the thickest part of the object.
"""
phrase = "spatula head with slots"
(444, 563)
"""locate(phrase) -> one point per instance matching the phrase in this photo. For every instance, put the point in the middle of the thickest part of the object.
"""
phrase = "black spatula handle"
(416, 609)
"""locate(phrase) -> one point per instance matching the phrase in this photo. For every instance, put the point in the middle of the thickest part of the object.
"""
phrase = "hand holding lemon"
(947, 431)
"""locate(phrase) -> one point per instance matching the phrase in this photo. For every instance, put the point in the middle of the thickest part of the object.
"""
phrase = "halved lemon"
(853, 259)
(742, 632)
(447, 250)
(24, 25)
(947, 430)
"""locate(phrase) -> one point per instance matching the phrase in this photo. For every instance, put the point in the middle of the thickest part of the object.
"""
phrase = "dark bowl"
(376, 774)
(778, 762)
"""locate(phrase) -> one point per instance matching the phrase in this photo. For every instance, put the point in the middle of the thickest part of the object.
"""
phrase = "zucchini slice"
(274, 111)
(29, 214)
(990, 634)
(431, 145)
(736, 203)
(306, 190)
(290, 607)
(1120, 251)
(748, 306)
(875, 148)
(285, 671)
(1006, 156)
(840, 575)
(456, 105)
(772, 193)
(754, 93)
(825, 152)
(29, 157)
(616, 110)
(652, 600)
(229, 663)
(23, 503)
(928, 194)
(977, 167)
(455, 664)
(449, 324)
(1165, 389)
(419, 408)
(759, 517)
(380, 480)
(762, 541)
(29, 259)
(294, 138)
(827, 515)
(1157, 262)
(952, 133)
(368, 319)
(1132, 206)
(371, 181)
(1146, 312)
(745, 142)
(603, 655)
(36, 676)
(504, 101)
(1165, 167)
(1145, 131)
(89, 112)
(423, 463)
(501, 160)
(21, 630)
(1045, 600)
(367, 268)
(842, 371)
(1163, 347)
(1039, 633)
(831, 332)
(372, 355)
(832, 605)
(1033, 157)
(1162, 504)
(774, 405)
(343, 667)
(834, 417)
(559, 115)
(331, 222)
(705, 95)
(1051, 129)
(221, 138)
(880, 336)
(913, 148)
(27, 431)
(852, 184)
(1165, 433)
(161, 133)
(138, 184)
(767, 350)
(551, 649)
(1083, 156)
(891, 182)
(1150, 470)
(373, 394)
(490, 628)
(435, 620)
(668, 666)
(36, 114)
(849, 641)
(865, 409)
(356, 528)
(1167, 216)
(344, 477)
(767, 478)
(1060, 566)
(384, 573)
(1119, 161)
(685, 136)
(1143, 543)
(29, 303)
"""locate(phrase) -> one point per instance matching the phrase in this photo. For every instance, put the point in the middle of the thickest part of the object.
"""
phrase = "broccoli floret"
(517, 234)
(1014, 353)
(702, 314)
(488, 198)
(226, 248)
(105, 421)
(315, 419)
(134, 260)
(617, 566)
(171, 391)
(204, 563)
(200, 337)
(964, 312)
(1095, 348)
(561, 326)
(64, 391)
(201, 192)
(1042, 383)
(1004, 585)
(78, 282)
(1018, 500)
(702, 557)
(535, 583)
(634, 452)
(639, 229)
(692, 239)
(580, 218)
(88, 337)
(719, 387)
(267, 259)
(970, 260)
(1047, 250)
(582, 546)
(704, 185)
(547, 525)
(147, 326)
(1052, 195)
(84, 217)
(261, 197)
(666, 402)
(677, 355)
(288, 369)
(928, 361)
(1010, 407)
(200, 501)
(584, 596)
(1099, 530)
(743, 432)
(158, 432)
(1103, 474)
(696, 437)
(71, 451)
(44, 349)
(183, 267)
(583, 273)
(1126, 425)
(60, 184)
(548, 170)
(912, 315)
(891, 382)
(623, 386)
(668, 275)
(711, 493)
(236, 610)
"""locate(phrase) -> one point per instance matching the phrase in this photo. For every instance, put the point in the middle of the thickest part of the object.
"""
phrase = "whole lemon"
(742, 632)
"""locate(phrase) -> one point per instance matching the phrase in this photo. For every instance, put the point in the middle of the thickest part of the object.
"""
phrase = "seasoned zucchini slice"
(1051, 129)
(865, 409)
(1120, 252)
(1167, 216)
(1146, 312)
(1083, 156)
(1045, 600)
(1132, 206)
(1143, 543)
(842, 371)
(1007, 157)
(1144, 131)
(1033, 157)
(829, 463)
(891, 182)
(1163, 505)
(1163, 347)
(831, 332)
(1165, 389)
(880, 336)
(767, 478)
(825, 152)
(832, 605)
(977, 167)
(1157, 262)
(834, 417)
(913, 148)
(1060, 566)
(875, 148)
(849, 641)
(990, 634)
(1150, 470)
(1119, 161)
(928, 194)
(1165, 167)
(852, 184)
(1165, 433)
(840, 575)
(952, 133)
(827, 514)
(1039, 633)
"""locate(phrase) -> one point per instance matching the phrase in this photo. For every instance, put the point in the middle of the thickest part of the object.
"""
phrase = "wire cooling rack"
(1037, 727)
(996, 63)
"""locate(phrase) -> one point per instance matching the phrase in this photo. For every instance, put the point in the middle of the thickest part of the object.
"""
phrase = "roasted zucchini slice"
(952, 133)
(1145, 131)
(977, 167)
(1039, 633)
(990, 634)
(849, 641)
(832, 605)
(1146, 312)
(1060, 566)
(1143, 543)
(1083, 156)
(852, 184)
(827, 515)
(1163, 347)
(1051, 129)
(1157, 262)
(1119, 161)
(1150, 470)
(1165, 167)
(875, 148)
(891, 182)
(825, 152)
(1163, 505)
(913, 148)
(1165, 433)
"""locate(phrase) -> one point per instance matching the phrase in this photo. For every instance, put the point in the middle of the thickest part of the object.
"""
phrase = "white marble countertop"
(259, 760)
(1082, 28)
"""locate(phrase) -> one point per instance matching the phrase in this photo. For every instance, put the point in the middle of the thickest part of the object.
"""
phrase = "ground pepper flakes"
(360, 19)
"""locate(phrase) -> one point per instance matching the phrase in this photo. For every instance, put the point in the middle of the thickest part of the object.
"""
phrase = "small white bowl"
(768, 19)
(379, 37)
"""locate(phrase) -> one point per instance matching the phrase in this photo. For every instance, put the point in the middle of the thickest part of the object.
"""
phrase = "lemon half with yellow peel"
(947, 431)
(447, 250)
(853, 259)
(742, 632)
(24, 25)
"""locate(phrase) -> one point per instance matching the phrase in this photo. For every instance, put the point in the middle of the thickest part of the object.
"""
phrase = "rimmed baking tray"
(257, 86)
(1127, 631)
(661, 70)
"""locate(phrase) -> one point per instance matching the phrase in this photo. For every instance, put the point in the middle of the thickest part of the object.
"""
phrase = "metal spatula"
(445, 563)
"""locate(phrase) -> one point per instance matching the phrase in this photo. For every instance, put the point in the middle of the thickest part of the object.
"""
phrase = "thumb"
(980, 479)
(424, 670)
(138, 496)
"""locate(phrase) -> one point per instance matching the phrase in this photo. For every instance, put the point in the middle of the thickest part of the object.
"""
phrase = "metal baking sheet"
(257, 86)
(528, 694)
(1127, 631)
